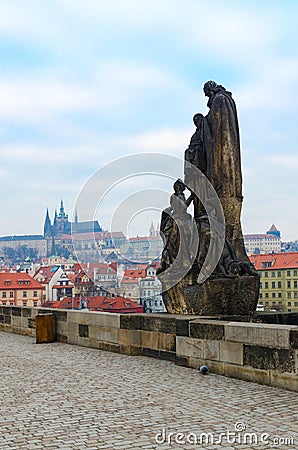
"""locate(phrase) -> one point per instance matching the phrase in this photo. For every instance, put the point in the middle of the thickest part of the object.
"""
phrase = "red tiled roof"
(278, 261)
(46, 272)
(134, 273)
(99, 303)
(13, 280)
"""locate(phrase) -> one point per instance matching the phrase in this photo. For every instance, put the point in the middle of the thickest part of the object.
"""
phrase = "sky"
(84, 83)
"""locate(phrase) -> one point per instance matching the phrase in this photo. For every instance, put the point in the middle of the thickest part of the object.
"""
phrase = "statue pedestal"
(217, 296)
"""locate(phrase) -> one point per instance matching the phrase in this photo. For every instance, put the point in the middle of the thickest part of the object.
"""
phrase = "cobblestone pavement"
(58, 396)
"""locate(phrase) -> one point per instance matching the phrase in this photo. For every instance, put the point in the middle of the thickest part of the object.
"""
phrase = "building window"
(289, 303)
(288, 273)
(279, 284)
(24, 303)
(273, 274)
(273, 284)
(261, 285)
(279, 295)
(273, 295)
(288, 284)
(261, 295)
(266, 285)
(11, 303)
(266, 274)
(11, 294)
(295, 283)
(34, 293)
(289, 294)
(7, 282)
(295, 273)
(296, 303)
(279, 274)
(266, 295)
(3, 294)
(24, 293)
(266, 303)
(35, 304)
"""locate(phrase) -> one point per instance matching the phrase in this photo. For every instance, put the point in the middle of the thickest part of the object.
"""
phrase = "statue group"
(204, 266)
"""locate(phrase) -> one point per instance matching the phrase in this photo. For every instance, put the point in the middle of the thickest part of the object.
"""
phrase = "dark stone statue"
(232, 286)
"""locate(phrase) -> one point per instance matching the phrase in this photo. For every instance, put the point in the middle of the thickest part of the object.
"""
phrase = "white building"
(269, 242)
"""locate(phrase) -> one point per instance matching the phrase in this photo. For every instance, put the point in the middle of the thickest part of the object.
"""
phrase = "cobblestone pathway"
(58, 396)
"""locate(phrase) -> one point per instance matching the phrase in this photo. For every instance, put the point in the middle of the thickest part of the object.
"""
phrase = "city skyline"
(84, 83)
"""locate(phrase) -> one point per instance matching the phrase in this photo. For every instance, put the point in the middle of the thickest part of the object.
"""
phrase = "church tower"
(47, 229)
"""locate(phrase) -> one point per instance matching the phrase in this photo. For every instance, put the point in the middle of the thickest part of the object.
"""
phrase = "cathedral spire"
(62, 212)
(47, 229)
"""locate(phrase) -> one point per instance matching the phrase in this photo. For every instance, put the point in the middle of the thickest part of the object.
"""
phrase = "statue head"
(179, 186)
(197, 119)
(210, 88)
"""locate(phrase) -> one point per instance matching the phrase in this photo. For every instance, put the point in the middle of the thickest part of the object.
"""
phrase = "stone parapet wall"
(259, 352)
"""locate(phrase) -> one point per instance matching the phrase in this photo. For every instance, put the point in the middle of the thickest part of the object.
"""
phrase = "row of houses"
(58, 279)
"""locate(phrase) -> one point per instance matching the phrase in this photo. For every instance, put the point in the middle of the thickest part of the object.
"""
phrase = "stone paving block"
(259, 334)
(231, 352)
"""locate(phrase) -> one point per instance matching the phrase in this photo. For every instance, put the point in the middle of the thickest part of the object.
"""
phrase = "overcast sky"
(84, 82)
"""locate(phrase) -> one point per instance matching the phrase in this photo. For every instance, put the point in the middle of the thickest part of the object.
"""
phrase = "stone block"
(60, 316)
(277, 336)
(7, 319)
(107, 334)
(150, 352)
(130, 321)
(196, 363)
(7, 310)
(61, 327)
(109, 320)
(231, 352)
(182, 361)
(77, 317)
(279, 359)
(150, 339)
(168, 356)
(167, 342)
(211, 350)
(73, 329)
(26, 312)
(16, 321)
(16, 311)
(163, 323)
(130, 337)
(284, 380)
(247, 373)
(62, 338)
(83, 330)
(294, 338)
(31, 323)
(109, 346)
(207, 329)
(189, 347)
